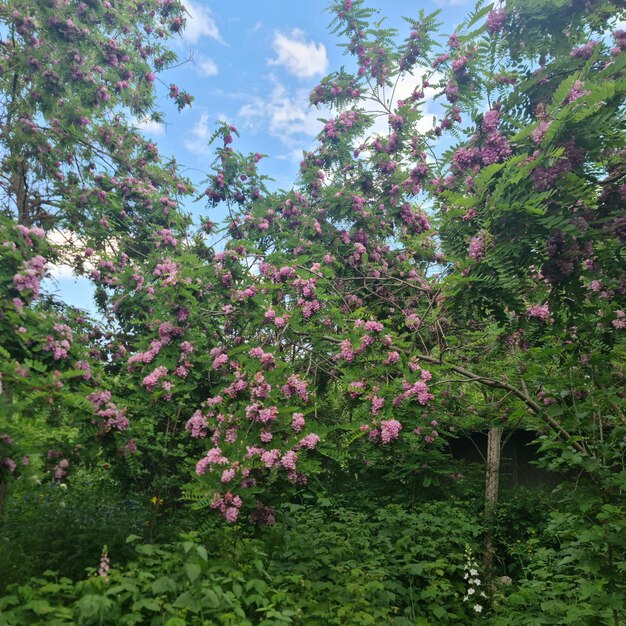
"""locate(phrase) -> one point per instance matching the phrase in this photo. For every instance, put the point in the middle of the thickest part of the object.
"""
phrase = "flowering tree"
(404, 269)
(74, 79)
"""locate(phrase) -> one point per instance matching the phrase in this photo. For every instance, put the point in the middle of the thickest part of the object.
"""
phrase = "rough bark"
(492, 481)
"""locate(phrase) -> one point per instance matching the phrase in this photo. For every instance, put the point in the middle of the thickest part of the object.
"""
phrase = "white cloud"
(205, 66)
(294, 156)
(286, 114)
(149, 126)
(197, 143)
(298, 56)
(404, 87)
(61, 271)
(68, 244)
(200, 23)
(451, 3)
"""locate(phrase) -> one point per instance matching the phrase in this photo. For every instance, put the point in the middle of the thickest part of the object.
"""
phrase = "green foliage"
(316, 567)
(62, 527)
(574, 571)
(340, 334)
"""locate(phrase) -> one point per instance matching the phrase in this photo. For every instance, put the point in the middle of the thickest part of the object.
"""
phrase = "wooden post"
(492, 480)
(493, 470)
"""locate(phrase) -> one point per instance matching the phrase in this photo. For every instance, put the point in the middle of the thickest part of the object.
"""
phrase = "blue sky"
(254, 65)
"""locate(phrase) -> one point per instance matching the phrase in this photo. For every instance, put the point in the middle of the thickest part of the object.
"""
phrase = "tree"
(364, 308)
(74, 79)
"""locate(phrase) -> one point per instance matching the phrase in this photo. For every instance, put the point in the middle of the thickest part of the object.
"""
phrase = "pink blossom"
(347, 354)
(392, 357)
(32, 273)
(309, 441)
(219, 361)
(539, 311)
(230, 514)
(266, 358)
(268, 415)
(295, 386)
(269, 458)
(495, 21)
(288, 460)
(377, 404)
(619, 322)
(60, 469)
(97, 398)
(150, 381)
(196, 425)
(412, 321)
(85, 368)
(389, 430)
(539, 132)
(103, 568)
(577, 91)
(584, 52)
(297, 422)
(148, 355)
(417, 390)
(373, 326)
(227, 475)
(476, 247)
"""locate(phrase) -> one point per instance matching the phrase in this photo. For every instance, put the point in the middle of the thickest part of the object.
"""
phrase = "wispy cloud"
(298, 56)
(285, 113)
(404, 87)
(200, 133)
(200, 23)
(257, 26)
(205, 66)
(451, 3)
(293, 156)
(148, 126)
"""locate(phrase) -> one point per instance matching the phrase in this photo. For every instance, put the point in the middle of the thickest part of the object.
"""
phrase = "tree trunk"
(492, 480)
(20, 189)
(3, 493)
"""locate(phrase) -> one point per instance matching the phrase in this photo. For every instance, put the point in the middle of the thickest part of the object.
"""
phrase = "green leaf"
(192, 570)
(163, 584)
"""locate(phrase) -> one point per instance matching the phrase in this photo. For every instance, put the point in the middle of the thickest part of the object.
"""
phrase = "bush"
(333, 566)
(62, 527)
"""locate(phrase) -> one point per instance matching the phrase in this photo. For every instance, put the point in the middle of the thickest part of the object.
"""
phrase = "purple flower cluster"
(151, 380)
(495, 21)
(295, 386)
(228, 505)
(196, 425)
(576, 92)
(476, 248)
(539, 132)
(389, 430)
(30, 276)
(59, 345)
(417, 390)
(584, 52)
(115, 418)
(539, 311)
(27, 232)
